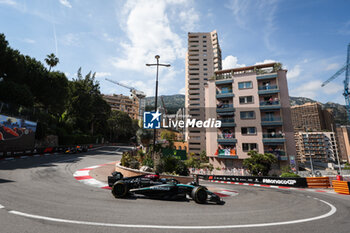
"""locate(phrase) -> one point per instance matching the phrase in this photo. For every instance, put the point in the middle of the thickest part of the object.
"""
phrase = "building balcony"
(269, 138)
(223, 81)
(270, 89)
(224, 94)
(225, 108)
(231, 113)
(268, 76)
(271, 121)
(223, 156)
(270, 105)
(280, 154)
(226, 139)
(227, 122)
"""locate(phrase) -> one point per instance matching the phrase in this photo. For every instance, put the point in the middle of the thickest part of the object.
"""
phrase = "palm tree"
(51, 60)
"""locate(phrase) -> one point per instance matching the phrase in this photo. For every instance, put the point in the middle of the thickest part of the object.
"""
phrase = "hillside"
(174, 102)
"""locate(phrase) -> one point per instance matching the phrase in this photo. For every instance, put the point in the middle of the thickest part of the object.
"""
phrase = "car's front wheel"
(199, 194)
(119, 189)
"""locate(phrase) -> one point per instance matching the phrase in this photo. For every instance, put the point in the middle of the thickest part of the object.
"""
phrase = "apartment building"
(343, 139)
(319, 146)
(253, 105)
(202, 59)
(312, 117)
(123, 103)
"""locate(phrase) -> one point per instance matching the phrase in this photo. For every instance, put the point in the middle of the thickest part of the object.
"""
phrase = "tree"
(203, 157)
(87, 111)
(121, 126)
(169, 136)
(259, 164)
(144, 136)
(51, 60)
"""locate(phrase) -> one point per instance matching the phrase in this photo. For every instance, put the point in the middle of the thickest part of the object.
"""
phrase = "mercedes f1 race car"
(159, 188)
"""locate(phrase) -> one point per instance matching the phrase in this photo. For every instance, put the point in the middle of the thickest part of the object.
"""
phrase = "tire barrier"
(342, 187)
(318, 182)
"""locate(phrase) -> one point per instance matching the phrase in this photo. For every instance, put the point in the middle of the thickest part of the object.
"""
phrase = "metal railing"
(273, 135)
(223, 106)
(268, 87)
(271, 119)
(274, 102)
(226, 136)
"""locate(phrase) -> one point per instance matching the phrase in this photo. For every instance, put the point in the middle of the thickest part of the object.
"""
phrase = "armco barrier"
(267, 180)
(318, 182)
(342, 187)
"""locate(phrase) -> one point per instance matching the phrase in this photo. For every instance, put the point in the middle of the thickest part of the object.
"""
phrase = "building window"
(248, 131)
(246, 99)
(247, 115)
(205, 64)
(205, 68)
(205, 74)
(204, 50)
(204, 36)
(245, 85)
(205, 59)
(249, 146)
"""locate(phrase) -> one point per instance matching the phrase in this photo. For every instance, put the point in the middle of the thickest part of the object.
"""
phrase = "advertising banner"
(267, 180)
(16, 134)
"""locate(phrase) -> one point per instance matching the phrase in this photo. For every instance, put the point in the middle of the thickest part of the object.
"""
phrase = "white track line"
(1, 206)
(330, 213)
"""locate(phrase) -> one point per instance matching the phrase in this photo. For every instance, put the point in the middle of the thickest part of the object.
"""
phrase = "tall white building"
(202, 59)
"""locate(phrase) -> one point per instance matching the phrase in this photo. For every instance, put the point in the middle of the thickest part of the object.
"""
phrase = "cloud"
(102, 74)
(265, 62)
(70, 39)
(294, 72)
(189, 19)
(8, 2)
(231, 62)
(256, 16)
(313, 89)
(148, 33)
(332, 66)
(66, 3)
(29, 41)
(182, 91)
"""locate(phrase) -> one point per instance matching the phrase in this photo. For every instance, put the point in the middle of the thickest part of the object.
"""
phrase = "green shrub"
(134, 164)
(171, 164)
(193, 162)
(148, 161)
(126, 159)
(289, 175)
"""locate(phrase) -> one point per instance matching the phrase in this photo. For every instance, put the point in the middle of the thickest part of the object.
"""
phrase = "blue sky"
(116, 38)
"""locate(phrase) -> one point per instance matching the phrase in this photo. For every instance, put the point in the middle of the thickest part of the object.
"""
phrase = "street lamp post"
(156, 95)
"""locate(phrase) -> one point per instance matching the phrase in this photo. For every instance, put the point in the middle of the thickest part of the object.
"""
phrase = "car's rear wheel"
(199, 194)
(119, 189)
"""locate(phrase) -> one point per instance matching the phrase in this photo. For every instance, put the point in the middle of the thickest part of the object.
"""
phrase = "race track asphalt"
(45, 187)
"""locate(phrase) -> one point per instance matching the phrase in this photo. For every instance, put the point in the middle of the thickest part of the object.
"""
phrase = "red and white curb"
(83, 176)
(275, 186)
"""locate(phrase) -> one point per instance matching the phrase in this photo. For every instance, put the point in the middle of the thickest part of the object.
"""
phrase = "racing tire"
(119, 189)
(199, 194)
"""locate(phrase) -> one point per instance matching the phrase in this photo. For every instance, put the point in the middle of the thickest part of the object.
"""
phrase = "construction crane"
(346, 93)
(140, 96)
